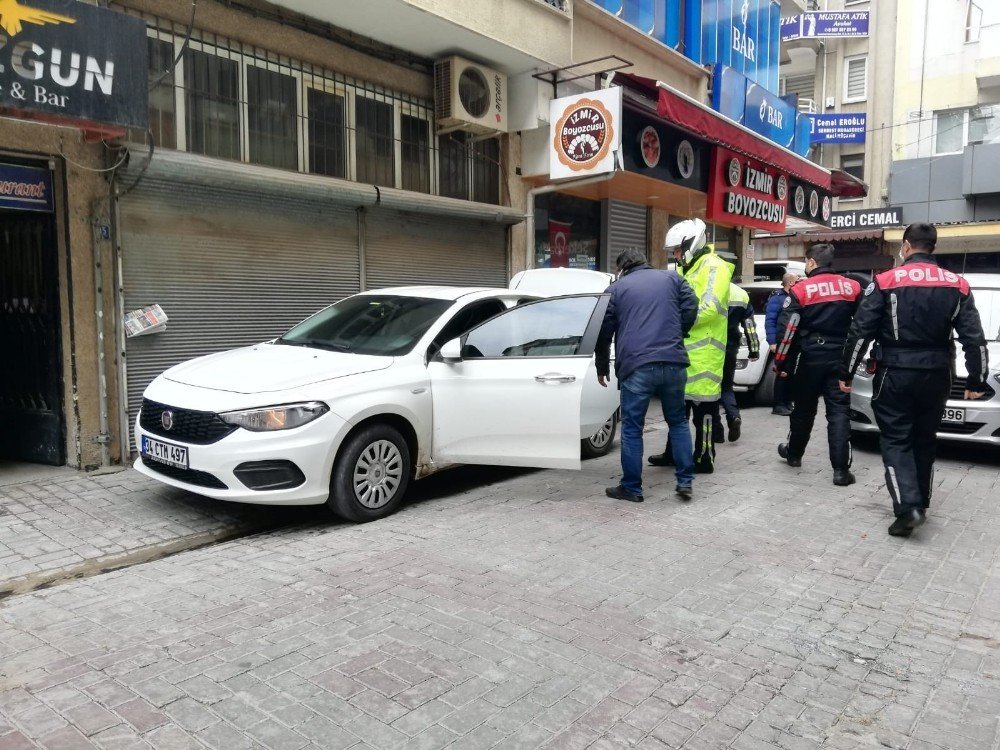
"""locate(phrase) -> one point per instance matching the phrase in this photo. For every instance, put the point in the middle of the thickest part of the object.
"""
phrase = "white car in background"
(383, 387)
(969, 421)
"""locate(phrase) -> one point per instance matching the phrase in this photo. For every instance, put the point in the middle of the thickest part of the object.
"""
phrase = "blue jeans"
(667, 382)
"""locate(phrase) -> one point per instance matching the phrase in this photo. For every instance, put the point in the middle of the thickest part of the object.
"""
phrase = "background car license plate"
(954, 416)
(165, 453)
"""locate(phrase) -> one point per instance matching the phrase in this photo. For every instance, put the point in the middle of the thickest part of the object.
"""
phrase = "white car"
(384, 386)
(969, 421)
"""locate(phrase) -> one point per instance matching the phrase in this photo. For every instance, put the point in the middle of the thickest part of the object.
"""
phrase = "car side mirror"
(452, 351)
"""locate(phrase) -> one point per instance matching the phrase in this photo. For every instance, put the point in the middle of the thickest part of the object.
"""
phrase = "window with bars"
(856, 79)
(234, 101)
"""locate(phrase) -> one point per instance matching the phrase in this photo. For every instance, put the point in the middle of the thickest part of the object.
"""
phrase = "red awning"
(690, 115)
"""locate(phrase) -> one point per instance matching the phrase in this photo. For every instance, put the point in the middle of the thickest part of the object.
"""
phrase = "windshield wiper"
(316, 344)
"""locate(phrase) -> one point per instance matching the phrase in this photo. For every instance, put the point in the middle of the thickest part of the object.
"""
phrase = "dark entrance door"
(31, 414)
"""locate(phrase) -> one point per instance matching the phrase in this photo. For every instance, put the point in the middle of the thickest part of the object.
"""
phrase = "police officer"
(910, 311)
(813, 325)
(740, 316)
(709, 276)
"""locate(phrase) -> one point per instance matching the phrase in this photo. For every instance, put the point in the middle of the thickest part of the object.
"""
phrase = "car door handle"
(555, 377)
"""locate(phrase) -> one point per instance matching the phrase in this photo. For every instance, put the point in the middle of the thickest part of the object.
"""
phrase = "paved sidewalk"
(526, 609)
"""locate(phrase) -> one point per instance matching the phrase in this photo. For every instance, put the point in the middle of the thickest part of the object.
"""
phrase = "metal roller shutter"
(626, 227)
(403, 249)
(229, 269)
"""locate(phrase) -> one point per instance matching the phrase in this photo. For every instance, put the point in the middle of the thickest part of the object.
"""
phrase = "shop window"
(416, 155)
(327, 133)
(374, 135)
(854, 165)
(567, 232)
(486, 171)
(213, 119)
(453, 172)
(271, 118)
(162, 104)
(855, 79)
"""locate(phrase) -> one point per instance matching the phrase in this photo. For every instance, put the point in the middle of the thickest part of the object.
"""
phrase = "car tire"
(370, 475)
(599, 444)
(764, 394)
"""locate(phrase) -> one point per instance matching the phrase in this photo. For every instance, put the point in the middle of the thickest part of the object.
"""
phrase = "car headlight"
(996, 376)
(269, 418)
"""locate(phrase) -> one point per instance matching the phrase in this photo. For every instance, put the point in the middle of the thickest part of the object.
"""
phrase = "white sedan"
(384, 386)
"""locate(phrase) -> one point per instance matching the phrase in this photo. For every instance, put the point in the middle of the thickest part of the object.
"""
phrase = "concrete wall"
(81, 200)
(931, 189)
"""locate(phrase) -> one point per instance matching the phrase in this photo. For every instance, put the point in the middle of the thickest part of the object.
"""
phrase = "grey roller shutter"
(403, 249)
(626, 227)
(228, 268)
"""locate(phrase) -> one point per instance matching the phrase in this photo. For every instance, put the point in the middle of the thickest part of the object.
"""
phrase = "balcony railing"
(562, 5)
(807, 106)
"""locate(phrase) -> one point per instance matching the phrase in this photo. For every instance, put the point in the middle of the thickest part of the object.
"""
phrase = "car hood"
(266, 368)
(992, 347)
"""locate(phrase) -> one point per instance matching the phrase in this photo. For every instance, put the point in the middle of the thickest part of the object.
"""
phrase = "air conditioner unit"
(469, 96)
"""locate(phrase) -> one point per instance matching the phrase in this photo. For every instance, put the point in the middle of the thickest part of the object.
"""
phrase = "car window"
(759, 298)
(550, 328)
(988, 304)
(388, 325)
(465, 320)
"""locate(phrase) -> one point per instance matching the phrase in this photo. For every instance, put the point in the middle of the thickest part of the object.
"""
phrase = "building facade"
(288, 154)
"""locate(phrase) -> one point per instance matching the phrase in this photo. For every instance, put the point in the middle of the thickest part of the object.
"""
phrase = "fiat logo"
(167, 420)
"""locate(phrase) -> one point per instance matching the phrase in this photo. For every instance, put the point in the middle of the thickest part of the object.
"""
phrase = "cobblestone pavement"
(519, 609)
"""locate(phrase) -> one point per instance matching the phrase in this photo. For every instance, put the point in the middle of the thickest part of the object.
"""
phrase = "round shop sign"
(685, 159)
(826, 208)
(782, 188)
(584, 135)
(649, 146)
(800, 200)
(734, 172)
(813, 203)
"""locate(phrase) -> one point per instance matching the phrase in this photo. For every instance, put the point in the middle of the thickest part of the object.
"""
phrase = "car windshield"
(988, 304)
(381, 325)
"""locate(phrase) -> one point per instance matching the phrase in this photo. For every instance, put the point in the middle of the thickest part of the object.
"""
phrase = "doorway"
(32, 424)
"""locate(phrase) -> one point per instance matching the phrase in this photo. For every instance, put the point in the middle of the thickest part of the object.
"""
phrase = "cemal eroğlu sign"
(73, 62)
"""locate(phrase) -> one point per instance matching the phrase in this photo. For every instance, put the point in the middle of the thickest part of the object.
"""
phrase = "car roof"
(438, 291)
(558, 281)
(983, 280)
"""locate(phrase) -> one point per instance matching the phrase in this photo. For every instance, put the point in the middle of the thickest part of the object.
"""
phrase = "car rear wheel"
(371, 474)
(599, 444)
(765, 389)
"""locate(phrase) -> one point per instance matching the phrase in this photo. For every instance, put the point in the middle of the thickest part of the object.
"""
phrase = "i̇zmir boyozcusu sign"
(73, 63)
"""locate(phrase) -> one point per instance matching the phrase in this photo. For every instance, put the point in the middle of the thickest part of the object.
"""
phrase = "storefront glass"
(567, 232)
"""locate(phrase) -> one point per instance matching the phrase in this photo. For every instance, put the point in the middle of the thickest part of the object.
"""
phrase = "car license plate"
(954, 416)
(165, 453)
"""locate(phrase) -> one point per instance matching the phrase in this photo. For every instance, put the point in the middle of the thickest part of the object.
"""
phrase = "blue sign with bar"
(825, 24)
(770, 116)
(842, 128)
(26, 188)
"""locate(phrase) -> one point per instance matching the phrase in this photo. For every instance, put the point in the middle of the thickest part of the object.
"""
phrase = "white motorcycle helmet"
(690, 236)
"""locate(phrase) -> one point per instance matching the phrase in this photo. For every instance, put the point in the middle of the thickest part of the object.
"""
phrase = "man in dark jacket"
(910, 311)
(814, 322)
(782, 401)
(649, 315)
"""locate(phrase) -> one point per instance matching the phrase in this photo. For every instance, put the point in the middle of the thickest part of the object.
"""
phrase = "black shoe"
(907, 522)
(684, 492)
(843, 477)
(718, 434)
(704, 466)
(781, 410)
(661, 459)
(734, 429)
(619, 493)
(783, 452)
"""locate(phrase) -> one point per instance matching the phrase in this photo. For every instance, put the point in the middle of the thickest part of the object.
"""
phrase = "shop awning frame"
(700, 120)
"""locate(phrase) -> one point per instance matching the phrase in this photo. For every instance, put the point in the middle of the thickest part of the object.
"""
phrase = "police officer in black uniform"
(910, 311)
(812, 328)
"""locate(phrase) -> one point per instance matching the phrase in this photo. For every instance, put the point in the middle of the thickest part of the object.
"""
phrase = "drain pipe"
(529, 216)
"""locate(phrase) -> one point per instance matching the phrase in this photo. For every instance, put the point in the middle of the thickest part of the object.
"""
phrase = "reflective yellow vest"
(710, 277)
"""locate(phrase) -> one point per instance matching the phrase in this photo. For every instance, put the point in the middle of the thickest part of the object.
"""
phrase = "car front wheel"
(371, 474)
(601, 441)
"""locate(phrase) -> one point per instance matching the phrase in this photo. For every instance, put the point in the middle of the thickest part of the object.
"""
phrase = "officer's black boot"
(662, 459)
(792, 461)
(734, 429)
(907, 522)
(843, 477)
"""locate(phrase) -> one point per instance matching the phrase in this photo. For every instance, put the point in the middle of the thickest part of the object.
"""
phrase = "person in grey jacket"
(648, 317)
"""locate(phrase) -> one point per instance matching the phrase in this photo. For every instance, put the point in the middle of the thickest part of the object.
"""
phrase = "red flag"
(559, 244)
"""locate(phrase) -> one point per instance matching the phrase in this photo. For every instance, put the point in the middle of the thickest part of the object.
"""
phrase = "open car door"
(513, 394)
